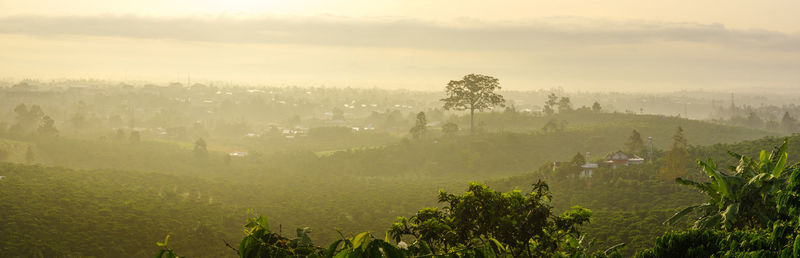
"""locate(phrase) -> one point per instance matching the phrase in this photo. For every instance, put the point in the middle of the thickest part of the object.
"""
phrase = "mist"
(399, 129)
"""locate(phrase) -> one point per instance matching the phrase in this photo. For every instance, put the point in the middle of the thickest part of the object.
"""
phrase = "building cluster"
(612, 160)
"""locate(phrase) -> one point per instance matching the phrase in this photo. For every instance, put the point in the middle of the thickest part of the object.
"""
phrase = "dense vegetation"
(94, 189)
(751, 211)
(631, 198)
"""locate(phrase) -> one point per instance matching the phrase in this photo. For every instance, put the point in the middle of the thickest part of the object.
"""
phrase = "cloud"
(400, 33)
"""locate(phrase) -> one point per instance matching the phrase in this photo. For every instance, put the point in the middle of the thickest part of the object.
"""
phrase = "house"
(620, 158)
(636, 160)
(238, 154)
(588, 169)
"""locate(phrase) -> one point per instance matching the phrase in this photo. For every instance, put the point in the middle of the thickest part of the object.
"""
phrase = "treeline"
(768, 117)
(751, 212)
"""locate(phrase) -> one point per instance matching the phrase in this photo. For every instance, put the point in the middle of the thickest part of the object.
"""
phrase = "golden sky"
(577, 45)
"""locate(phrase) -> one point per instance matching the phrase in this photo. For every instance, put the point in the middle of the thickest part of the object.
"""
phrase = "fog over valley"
(398, 129)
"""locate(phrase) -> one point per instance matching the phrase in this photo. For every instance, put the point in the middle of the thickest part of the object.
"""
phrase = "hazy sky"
(578, 45)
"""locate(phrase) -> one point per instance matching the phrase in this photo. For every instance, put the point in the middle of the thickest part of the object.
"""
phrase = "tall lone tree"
(473, 92)
(635, 145)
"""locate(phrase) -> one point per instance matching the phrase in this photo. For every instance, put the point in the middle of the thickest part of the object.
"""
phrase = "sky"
(413, 44)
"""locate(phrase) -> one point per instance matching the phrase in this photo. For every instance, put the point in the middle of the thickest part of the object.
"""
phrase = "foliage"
(139, 191)
(47, 127)
(550, 104)
(57, 212)
(744, 198)
(450, 129)
(200, 149)
(259, 241)
(473, 92)
(634, 144)
(596, 107)
(419, 129)
(751, 213)
(166, 252)
(513, 223)
(554, 125)
(676, 159)
(564, 105)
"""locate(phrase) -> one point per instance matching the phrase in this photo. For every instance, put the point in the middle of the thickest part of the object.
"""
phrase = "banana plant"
(744, 198)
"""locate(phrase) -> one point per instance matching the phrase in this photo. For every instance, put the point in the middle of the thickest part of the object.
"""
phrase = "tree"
(47, 127)
(473, 92)
(27, 118)
(553, 125)
(635, 145)
(574, 168)
(419, 129)
(200, 149)
(754, 121)
(578, 160)
(788, 123)
(596, 107)
(522, 225)
(676, 158)
(450, 129)
(564, 105)
(550, 104)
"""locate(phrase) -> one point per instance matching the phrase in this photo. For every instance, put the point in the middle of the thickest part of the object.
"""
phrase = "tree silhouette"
(676, 159)
(788, 122)
(596, 107)
(564, 105)
(473, 92)
(418, 131)
(549, 105)
(47, 127)
(450, 129)
(200, 149)
(635, 145)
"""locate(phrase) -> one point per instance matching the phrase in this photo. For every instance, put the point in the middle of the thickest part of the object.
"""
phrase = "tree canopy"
(473, 92)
